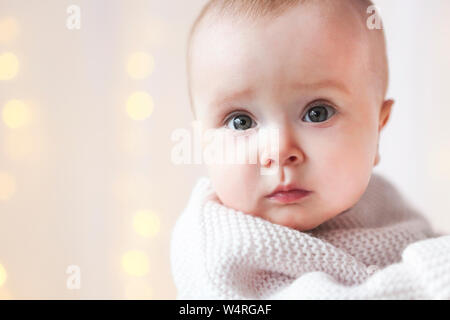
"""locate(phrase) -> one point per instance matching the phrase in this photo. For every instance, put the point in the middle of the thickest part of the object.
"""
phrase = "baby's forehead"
(315, 27)
(343, 13)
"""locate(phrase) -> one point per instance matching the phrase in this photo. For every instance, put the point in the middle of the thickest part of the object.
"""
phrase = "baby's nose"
(288, 152)
(292, 160)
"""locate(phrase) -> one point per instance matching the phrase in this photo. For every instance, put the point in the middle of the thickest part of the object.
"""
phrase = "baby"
(316, 72)
(311, 69)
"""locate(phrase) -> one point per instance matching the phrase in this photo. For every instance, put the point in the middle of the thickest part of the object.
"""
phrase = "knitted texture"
(381, 248)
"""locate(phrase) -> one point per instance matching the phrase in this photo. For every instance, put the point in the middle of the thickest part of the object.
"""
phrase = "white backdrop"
(415, 147)
(83, 168)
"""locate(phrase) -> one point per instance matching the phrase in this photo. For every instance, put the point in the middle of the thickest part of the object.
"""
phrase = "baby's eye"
(319, 113)
(240, 122)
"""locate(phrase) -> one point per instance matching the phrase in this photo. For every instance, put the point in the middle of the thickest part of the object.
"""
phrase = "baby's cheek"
(235, 185)
(343, 175)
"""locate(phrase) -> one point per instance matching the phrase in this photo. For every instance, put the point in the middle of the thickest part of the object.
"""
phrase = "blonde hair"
(270, 9)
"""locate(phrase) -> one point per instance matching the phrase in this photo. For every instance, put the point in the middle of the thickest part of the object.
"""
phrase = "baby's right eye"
(240, 122)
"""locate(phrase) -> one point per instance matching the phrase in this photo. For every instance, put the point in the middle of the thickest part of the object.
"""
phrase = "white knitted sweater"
(381, 248)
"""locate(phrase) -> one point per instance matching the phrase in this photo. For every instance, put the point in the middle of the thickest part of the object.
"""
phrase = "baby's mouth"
(288, 196)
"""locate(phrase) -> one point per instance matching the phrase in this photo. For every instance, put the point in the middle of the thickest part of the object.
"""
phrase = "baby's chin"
(303, 214)
(293, 216)
(299, 216)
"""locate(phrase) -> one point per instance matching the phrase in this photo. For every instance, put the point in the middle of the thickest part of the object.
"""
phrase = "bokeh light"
(7, 186)
(135, 263)
(9, 66)
(139, 105)
(16, 114)
(9, 29)
(146, 223)
(2, 275)
(140, 65)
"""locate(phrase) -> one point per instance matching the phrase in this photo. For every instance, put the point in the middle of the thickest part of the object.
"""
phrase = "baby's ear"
(385, 113)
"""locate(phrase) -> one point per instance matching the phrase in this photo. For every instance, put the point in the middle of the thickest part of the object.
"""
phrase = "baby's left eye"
(319, 113)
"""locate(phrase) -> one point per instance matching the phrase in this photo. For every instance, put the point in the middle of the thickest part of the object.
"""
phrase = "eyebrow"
(224, 99)
(322, 84)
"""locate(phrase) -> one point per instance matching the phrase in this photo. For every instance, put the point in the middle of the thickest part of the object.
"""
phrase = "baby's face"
(304, 74)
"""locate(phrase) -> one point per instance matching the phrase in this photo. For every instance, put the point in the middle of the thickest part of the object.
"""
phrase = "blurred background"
(88, 192)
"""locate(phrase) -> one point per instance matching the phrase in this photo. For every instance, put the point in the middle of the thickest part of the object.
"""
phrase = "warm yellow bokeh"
(146, 223)
(140, 65)
(16, 114)
(137, 289)
(139, 105)
(135, 263)
(3, 275)
(7, 186)
(9, 28)
(9, 66)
